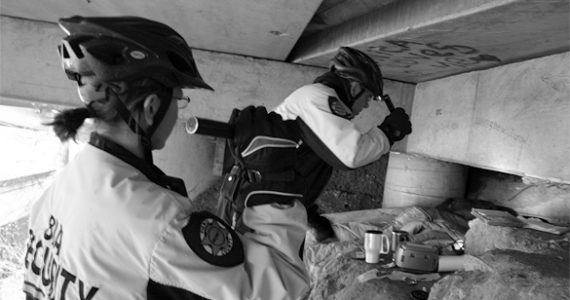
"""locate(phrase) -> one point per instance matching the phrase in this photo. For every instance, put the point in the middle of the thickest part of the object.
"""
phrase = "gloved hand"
(396, 125)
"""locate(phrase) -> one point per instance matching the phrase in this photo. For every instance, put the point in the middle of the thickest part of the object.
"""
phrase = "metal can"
(398, 237)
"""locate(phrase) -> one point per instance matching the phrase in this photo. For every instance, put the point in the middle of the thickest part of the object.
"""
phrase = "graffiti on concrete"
(497, 127)
(407, 55)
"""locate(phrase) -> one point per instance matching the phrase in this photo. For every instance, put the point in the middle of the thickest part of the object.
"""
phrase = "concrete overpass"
(486, 82)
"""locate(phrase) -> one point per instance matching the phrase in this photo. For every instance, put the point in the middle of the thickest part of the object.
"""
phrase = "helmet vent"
(63, 52)
(125, 48)
(76, 41)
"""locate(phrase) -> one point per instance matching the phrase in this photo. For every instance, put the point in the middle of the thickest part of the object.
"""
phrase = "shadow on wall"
(528, 196)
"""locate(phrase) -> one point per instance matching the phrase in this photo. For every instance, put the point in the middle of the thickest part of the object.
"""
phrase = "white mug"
(375, 243)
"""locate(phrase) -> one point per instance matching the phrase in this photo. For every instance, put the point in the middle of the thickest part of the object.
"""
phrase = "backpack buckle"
(253, 176)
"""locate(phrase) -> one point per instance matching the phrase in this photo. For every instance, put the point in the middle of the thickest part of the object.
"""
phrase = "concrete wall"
(512, 119)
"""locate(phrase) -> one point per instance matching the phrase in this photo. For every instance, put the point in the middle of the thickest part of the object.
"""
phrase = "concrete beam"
(418, 40)
(512, 119)
(267, 29)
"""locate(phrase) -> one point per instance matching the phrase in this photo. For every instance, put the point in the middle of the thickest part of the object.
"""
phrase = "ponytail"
(67, 123)
(106, 107)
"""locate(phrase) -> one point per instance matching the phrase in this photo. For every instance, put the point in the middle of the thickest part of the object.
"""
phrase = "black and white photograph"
(285, 149)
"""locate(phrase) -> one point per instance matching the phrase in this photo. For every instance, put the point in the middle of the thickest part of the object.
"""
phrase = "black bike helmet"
(122, 48)
(355, 65)
(114, 51)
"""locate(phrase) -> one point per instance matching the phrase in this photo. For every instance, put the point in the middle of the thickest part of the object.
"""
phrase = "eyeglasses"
(183, 101)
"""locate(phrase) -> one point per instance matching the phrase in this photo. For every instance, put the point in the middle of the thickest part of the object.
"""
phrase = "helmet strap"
(158, 117)
(147, 148)
(145, 135)
(126, 115)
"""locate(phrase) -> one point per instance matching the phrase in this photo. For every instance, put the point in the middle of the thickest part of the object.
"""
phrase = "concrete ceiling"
(413, 40)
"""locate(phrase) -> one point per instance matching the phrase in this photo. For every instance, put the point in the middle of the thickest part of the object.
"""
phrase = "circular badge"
(213, 240)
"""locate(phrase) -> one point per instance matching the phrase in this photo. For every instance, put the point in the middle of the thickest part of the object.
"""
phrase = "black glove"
(396, 125)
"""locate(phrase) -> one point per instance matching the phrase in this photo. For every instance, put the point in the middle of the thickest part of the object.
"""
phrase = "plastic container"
(415, 180)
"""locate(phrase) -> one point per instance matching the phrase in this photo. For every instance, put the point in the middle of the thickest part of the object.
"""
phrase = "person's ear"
(151, 105)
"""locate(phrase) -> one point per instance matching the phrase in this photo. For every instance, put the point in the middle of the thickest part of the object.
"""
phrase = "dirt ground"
(12, 246)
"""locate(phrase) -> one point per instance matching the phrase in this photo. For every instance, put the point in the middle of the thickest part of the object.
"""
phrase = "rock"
(513, 275)
(520, 264)
(481, 238)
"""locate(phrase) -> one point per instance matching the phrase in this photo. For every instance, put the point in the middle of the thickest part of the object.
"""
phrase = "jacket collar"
(152, 172)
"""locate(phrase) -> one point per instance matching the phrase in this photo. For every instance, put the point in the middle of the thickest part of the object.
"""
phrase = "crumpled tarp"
(333, 269)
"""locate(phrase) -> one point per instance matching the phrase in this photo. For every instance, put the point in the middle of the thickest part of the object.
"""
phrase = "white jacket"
(103, 230)
(325, 118)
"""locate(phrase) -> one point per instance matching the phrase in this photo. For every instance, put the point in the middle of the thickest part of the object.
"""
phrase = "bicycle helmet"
(109, 54)
(355, 65)
(122, 48)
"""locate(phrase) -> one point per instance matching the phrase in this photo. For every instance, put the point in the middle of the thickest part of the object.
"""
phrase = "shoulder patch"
(213, 240)
(339, 109)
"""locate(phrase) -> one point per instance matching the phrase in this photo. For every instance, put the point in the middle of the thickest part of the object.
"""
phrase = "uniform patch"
(213, 240)
(339, 109)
